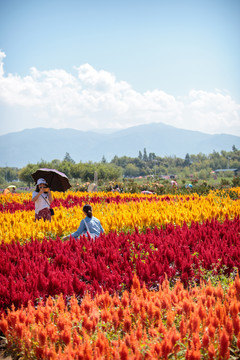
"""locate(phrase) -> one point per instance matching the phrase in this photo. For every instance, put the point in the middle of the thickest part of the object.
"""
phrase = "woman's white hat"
(41, 181)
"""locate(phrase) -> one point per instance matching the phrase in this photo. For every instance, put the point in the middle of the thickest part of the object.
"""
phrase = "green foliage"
(236, 181)
(25, 173)
(189, 170)
(68, 158)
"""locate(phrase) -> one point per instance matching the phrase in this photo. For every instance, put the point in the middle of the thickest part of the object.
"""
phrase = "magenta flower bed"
(37, 270)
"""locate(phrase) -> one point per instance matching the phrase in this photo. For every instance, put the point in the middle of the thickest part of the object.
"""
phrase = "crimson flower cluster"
(41, 269)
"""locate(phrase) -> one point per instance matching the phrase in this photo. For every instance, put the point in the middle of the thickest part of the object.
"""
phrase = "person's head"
(41, 183)
(87, 209)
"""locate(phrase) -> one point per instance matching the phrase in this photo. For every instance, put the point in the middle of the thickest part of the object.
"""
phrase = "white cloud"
(93, 99)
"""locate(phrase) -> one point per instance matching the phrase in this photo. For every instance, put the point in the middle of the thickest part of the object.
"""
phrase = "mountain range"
(17, 149)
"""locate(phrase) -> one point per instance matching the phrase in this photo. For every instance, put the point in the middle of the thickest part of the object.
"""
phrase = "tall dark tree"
(187, 160)
(140, 156)
(68, 158)
(145, 156)
(104, 160)
(152, 156)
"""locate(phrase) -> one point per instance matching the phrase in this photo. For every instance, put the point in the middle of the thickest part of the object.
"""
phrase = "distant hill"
(33, 145)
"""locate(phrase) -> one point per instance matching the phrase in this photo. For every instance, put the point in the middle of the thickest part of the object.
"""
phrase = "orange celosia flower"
(224, 344)
(205, 340)
(42, 336)
(170, 318)
(236, 325)
(157, 349)
(201, 312)
(101, 343)
(136, 283)
(211, 330)
(211, 352)
(123, 351)
(125, 299)
(66, 335)
(229, 327)
(183, 329)
(194, 355)
(115, 320)
(194, 323)
(187, 306)
(4, 326)
(106, 316)
(127, 324)
(139, 332)
(166, 347)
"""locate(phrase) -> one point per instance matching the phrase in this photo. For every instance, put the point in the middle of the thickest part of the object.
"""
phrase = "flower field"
(161, 283)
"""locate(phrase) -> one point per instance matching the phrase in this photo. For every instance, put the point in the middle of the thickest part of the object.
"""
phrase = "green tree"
(152, 156)
(131, 170)
(104, 161)
(140, 156)
(25, 173)
(145, 156)
(68, 158)
(187, 160)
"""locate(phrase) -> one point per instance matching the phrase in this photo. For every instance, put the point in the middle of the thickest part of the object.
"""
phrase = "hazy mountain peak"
(33, 145)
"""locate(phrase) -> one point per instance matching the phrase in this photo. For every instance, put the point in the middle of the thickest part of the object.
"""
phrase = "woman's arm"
(77, 233)
(80, 230)
(101, 229)
(38, 194)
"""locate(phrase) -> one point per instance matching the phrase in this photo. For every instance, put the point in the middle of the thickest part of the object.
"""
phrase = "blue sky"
(114, 64)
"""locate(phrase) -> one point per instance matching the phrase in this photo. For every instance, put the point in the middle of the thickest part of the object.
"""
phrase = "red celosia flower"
(234, 309)
(127, 324)
(201, 312)
(194, 355)
(166, 347)
(170, 318)
(211, 352)
(42, 336)
(224, 344)
(123, 351)
(211, 331)
(157, 349)
(139, 332)
(229, 327)
(115, 320)
(101, 343)
(236, 325)
(66, 335)
(125, 299)
(183, 329)
(4, 326)
(205, 340)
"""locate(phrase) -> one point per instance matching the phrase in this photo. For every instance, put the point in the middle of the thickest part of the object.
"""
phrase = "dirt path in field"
(5, 358)
(2, 351)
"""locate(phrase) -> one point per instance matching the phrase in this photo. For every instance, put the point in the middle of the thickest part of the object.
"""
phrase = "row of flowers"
(123, 214)
(51, 267)
(78, 199)
(168, 323)
(22, 201)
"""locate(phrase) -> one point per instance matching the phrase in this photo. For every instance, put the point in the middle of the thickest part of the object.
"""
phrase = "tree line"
(144, 164)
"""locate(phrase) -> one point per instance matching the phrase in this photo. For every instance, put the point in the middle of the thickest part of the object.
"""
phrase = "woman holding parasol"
(42, 197)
